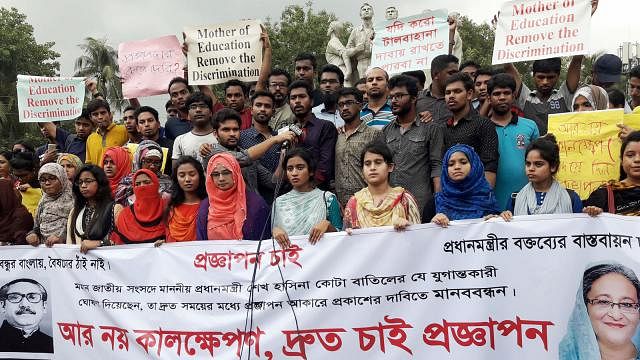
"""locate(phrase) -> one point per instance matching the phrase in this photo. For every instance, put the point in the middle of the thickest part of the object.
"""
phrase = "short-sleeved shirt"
(282, 116)
(377, 119)
(477, 132)
(175, 127)
(251, 137)
(417, 156)
(98, 142)
(538, 111)
(513, 140)
(189, 144)
(349, 178)
(321, 113)
(436, 106)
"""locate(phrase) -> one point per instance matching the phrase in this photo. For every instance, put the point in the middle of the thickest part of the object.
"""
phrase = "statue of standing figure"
(359, 43)
(336, 53)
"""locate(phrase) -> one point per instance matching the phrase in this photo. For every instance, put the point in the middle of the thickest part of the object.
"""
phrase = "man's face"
(366, 12)
(21, 309)
(441, 77)
(172, 111)
(363, 89)
(634, 88)
(376, 84)
(457, 97)
(545, 82)
(102, 117)
(84, 128)
(228, 133)
(148, 125)
(480, 86)
(262, 109)
(470, 70)
(401, 101)
(234, 98)
(329, 82)
(179, 92)
(391, 13)
(300, 102)
(199, 113)
(305, 71)
(349, 108)
(278, 86)
(501, 100)
(130, 122)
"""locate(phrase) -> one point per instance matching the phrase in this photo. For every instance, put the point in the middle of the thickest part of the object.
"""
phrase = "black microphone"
(296, 130)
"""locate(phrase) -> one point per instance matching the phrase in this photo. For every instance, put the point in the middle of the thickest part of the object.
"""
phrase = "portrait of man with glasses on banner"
(24, 304)
(604, 322)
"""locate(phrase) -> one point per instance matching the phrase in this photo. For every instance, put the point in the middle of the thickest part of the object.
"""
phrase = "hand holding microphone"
(290, 135)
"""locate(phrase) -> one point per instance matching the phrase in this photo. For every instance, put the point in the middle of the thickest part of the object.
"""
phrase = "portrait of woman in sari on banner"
(604, 321)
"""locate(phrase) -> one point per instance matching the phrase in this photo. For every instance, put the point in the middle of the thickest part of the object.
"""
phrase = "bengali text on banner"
(410, 43)
(476, 290)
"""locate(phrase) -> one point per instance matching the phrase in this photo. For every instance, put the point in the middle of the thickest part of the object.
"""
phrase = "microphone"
(293, 128)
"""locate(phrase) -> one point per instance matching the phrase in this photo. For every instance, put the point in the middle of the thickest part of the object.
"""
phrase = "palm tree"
(100, 60)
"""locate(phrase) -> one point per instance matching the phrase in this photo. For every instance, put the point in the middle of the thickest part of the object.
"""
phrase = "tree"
(300, 29)
(477, 41)
(19, 54)
(100, 60)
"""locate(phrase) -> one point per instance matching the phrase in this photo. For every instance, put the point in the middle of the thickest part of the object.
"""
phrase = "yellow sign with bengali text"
(589, 148)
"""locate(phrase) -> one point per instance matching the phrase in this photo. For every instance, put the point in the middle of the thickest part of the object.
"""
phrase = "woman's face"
(50, 184)
(87, 184)
(109, 166)
(298, 172)
(582, 104)
(5, 168)
(538, 169)
(222, 177)
(458, 167)
(153, 163)
(142, 180)
(631, 160)
(69, 168)
(375, 169)
(613, 325)
(188, 178)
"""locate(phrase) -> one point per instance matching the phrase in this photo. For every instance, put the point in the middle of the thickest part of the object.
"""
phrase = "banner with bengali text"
(589, 147)
(147, 66)
(534, 29)
(476, 290)
(42, 99)
(410, 43)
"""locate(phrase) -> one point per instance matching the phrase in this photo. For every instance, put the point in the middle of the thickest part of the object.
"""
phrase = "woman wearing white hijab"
(590, 98)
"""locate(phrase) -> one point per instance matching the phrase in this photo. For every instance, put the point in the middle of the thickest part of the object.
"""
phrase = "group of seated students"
(127, 202)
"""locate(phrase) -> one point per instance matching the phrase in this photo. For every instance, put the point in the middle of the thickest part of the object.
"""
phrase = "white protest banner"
(221, 52)
(476, 290)
(42, 99)
(541, 29)
(410, 43)
(147, 66)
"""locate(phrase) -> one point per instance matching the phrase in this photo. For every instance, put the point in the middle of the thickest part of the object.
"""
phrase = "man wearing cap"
(606, 72)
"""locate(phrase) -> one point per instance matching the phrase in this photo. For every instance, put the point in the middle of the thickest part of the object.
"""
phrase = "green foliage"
(477, 41)
(19, 54)
(100, 60)
(300, 29)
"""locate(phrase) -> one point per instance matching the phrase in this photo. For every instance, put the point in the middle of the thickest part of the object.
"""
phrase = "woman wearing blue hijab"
(605, 319)
(465, 194)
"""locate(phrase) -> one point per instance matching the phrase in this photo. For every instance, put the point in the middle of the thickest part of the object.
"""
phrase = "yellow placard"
(589, 148)
(165, 154)
(632, 120)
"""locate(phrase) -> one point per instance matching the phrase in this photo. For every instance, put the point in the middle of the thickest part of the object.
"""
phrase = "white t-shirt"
(189, 144)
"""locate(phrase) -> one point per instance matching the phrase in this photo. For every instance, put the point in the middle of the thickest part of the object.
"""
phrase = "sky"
(68, 22)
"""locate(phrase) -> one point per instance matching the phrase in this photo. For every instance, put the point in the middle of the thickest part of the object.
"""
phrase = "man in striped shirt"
(377, 111)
